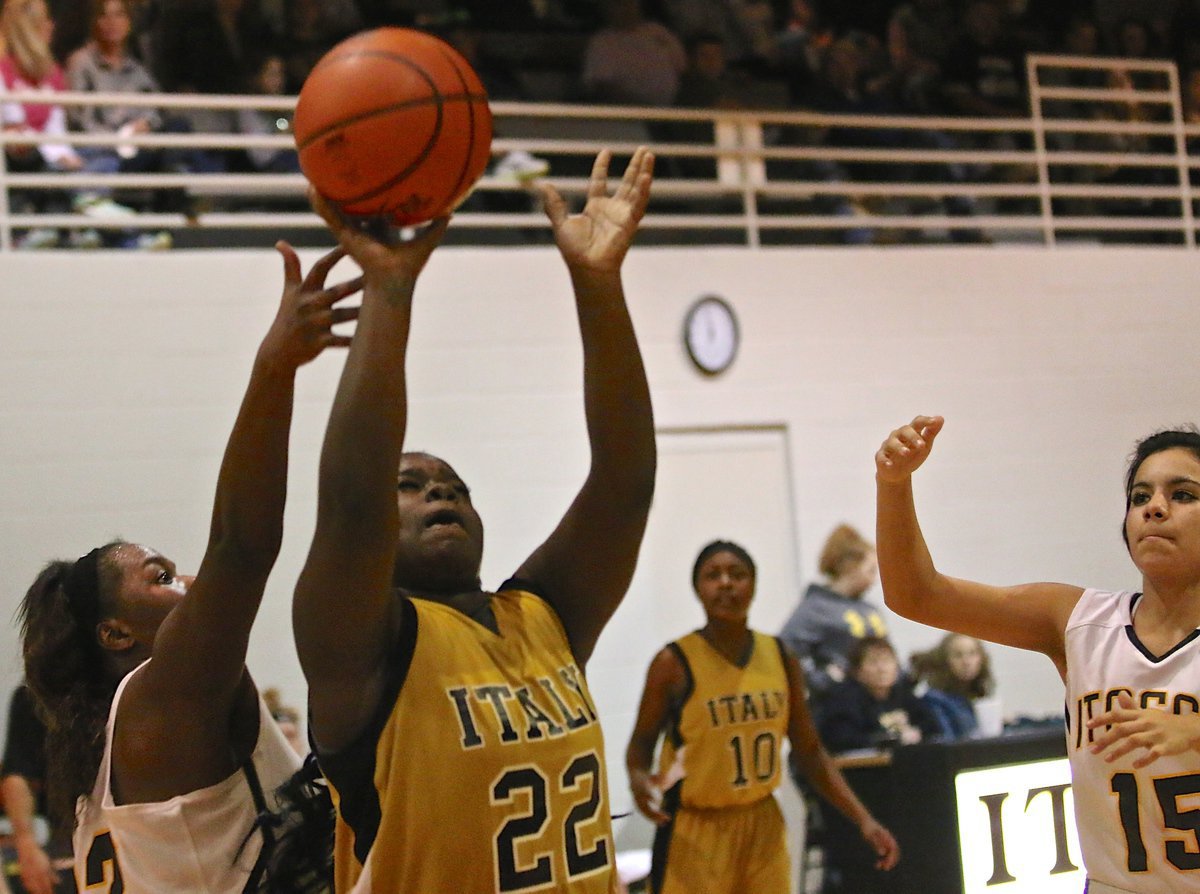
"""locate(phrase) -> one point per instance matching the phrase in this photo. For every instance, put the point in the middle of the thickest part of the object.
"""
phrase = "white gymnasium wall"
(120, 375)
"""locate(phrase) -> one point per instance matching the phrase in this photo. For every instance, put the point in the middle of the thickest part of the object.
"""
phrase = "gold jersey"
(484, 771)
(728, 733)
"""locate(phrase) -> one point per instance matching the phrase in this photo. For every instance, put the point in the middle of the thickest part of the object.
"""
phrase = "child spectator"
(957, 673)
(874, 707)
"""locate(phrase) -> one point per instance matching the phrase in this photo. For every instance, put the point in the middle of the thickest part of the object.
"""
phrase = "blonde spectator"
(833, 615)
(28, 64)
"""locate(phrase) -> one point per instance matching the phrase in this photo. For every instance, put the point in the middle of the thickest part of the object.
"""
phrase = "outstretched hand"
(38, 874)
(599, 236)
(381, 259)
(1159, 732)
(647, 789)
(303, 326)
(882, 842)
(905, 449)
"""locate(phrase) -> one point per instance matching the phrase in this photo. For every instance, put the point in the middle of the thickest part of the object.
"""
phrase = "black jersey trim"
(526, 586)
(662, 838)
(689, 686)
(352, 770)
(1140, 646)
(784, 652)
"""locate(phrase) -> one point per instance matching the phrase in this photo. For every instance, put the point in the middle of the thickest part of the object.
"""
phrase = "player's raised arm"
(585, 566)
(343, 613)
(199, 651)
(1029, 616)
(201, 648)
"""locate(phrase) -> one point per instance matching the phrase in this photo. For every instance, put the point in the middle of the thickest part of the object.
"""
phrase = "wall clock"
(710, 334)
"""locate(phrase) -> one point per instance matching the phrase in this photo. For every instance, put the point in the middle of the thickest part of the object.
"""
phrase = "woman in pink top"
(28, 64)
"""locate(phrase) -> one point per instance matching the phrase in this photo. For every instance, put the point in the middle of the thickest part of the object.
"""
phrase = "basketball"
(393, 123)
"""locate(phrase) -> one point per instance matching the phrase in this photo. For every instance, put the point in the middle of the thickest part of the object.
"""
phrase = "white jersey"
(1138, 829)
(189, 843)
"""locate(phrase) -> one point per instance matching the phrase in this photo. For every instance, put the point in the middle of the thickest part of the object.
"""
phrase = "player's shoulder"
(1098, 607)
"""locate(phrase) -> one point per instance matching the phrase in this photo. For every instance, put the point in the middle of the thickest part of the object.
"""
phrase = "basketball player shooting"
(454, 723)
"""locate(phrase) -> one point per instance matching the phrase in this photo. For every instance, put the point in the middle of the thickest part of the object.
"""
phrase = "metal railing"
(1105, 156)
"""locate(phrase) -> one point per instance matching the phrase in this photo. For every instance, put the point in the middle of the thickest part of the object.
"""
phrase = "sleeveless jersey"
(484, 768)
(730, 728)
(1137, 827)
(204, 842)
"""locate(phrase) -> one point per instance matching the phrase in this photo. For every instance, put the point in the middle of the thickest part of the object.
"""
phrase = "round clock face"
(710, 332)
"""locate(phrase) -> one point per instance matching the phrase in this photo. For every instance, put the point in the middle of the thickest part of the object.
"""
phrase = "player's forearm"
(247, 523)
(639, 755)
(19, 805)
(364, 439)
(906, 570)
(617, 403)
(824, 776)
(340, 635)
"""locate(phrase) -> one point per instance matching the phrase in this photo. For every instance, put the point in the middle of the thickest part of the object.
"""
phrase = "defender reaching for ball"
(453, 723)
(159, 748)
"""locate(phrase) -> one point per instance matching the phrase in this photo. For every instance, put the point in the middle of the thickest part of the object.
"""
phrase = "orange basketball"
(393, 122)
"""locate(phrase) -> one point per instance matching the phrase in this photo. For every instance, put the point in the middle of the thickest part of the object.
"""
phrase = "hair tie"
(82, 587)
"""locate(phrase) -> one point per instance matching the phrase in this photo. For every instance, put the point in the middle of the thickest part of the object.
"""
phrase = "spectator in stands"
(874, 707)
(632, 60)
(105, 65)
(927, 27)
(499, 79)
(707, 82)
(47, 869)
(28, 64)
(313, 28)
(800, 45)
(834, 615)
(1132, 39)
(746, 27)
(269, 79)
(957, 673)
(911, 79)
(985, 69)
(850, 63)
(1080, 37)
(205, 46)
(853, 64)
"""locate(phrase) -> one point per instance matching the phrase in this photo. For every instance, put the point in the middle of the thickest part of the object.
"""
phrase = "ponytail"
(65, 673)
